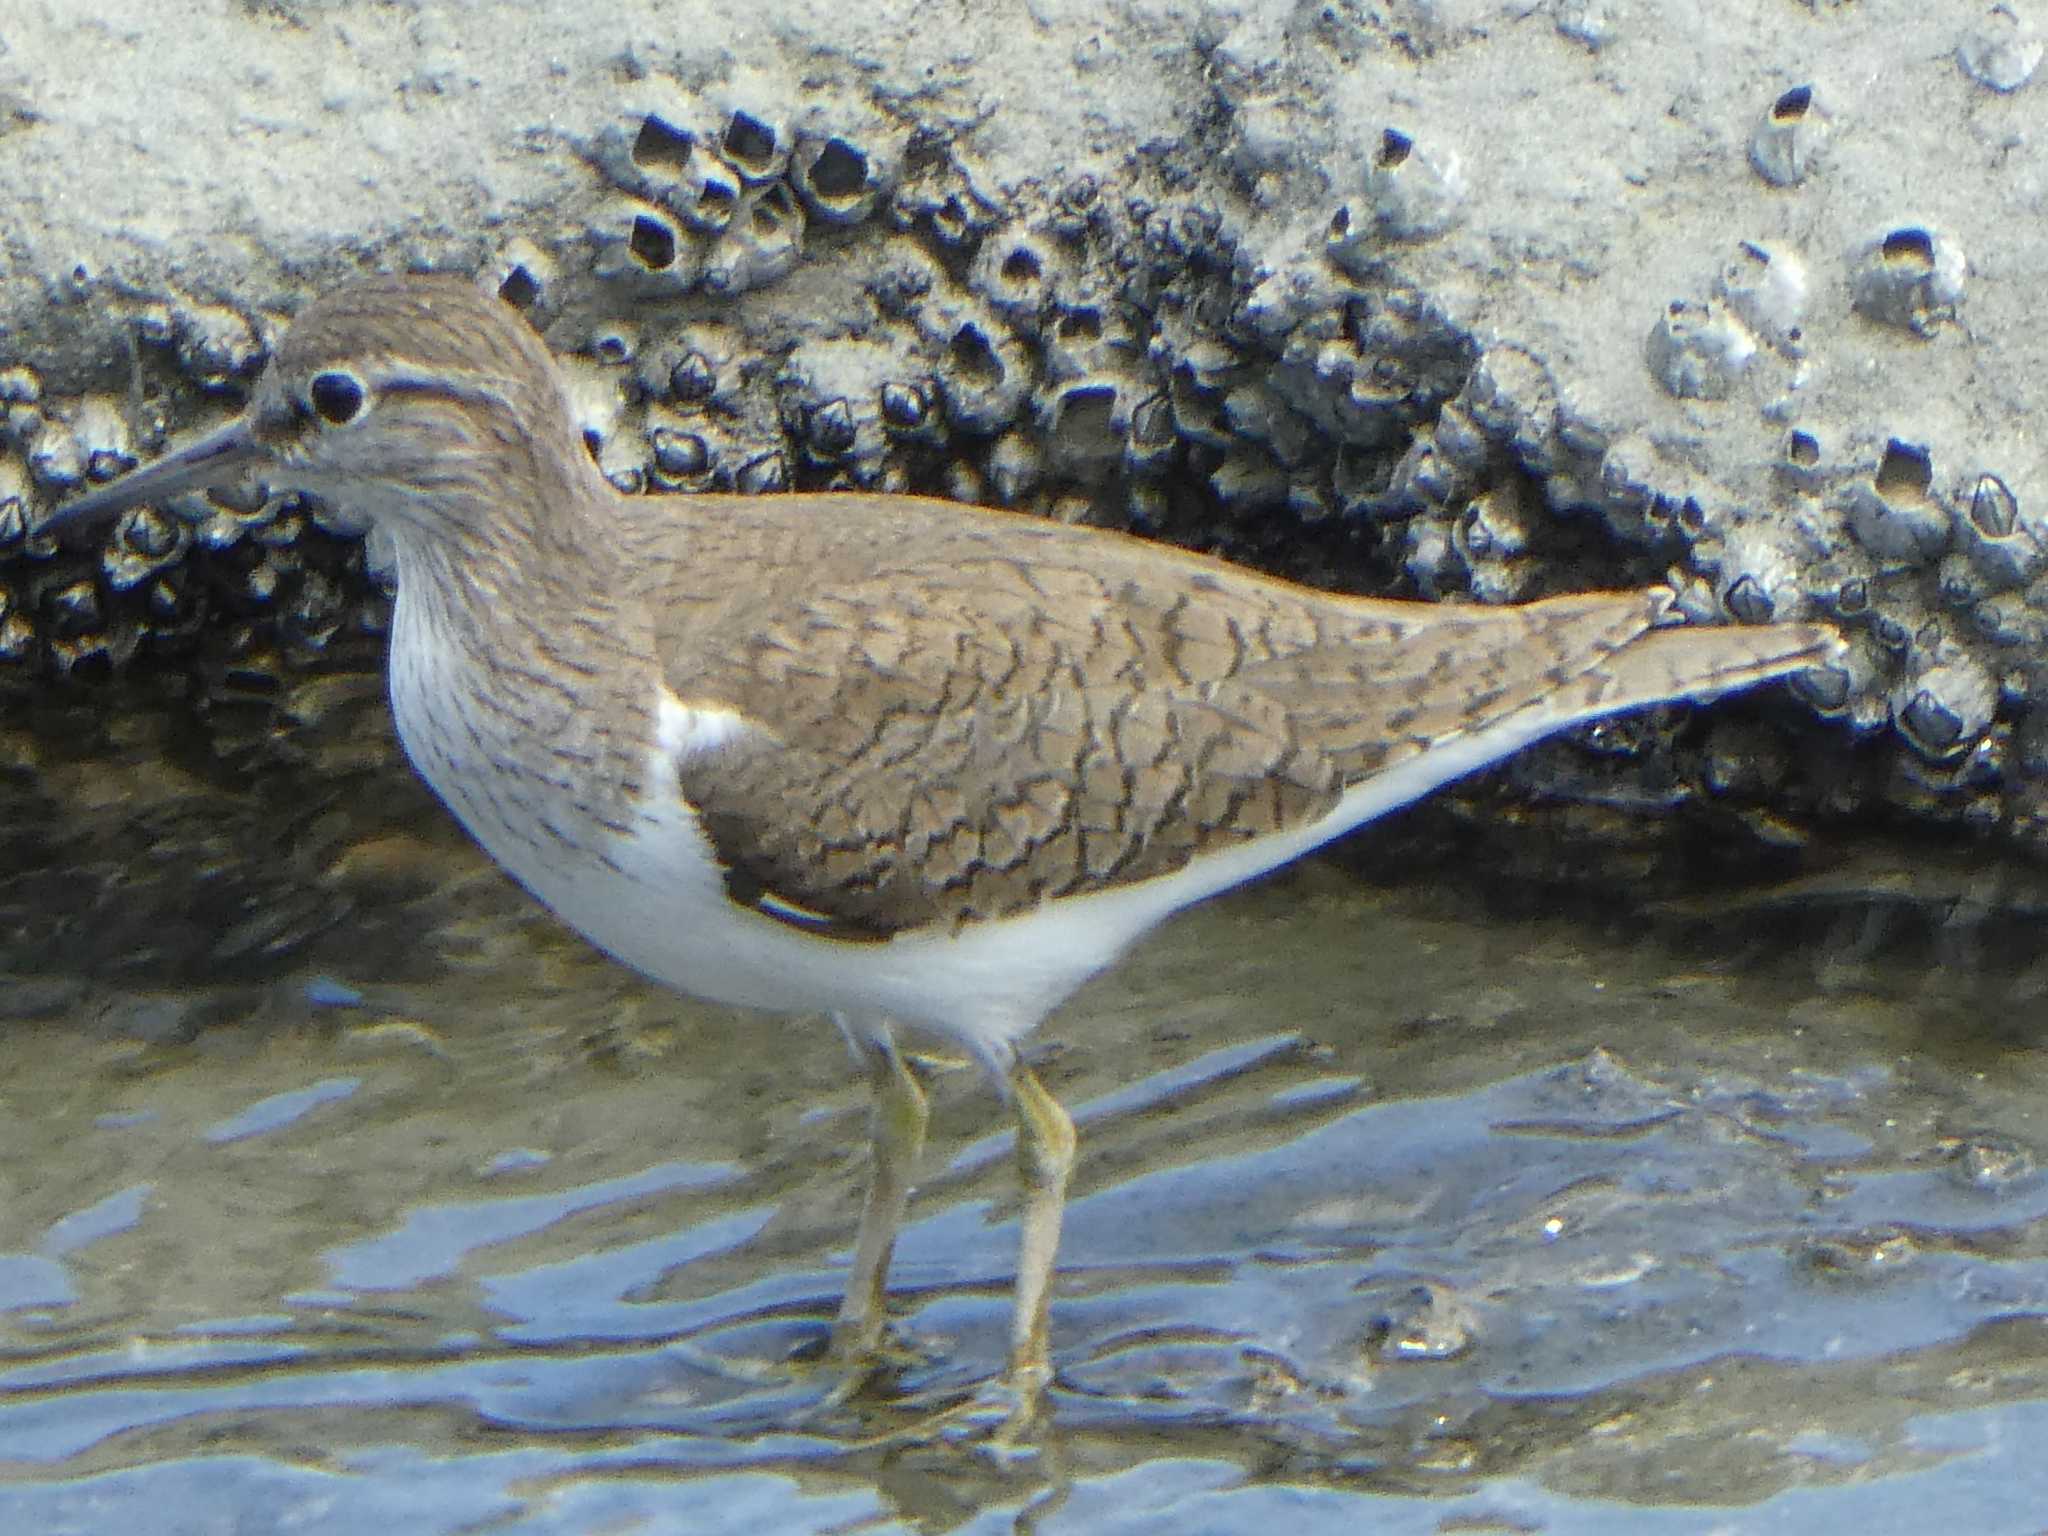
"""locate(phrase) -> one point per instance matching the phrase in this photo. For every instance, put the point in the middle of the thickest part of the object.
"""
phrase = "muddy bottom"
(424, 1218)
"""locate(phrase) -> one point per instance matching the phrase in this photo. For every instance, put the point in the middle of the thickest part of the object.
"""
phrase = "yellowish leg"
(1045, 1159)
(1000, 1417)
(897, 1116)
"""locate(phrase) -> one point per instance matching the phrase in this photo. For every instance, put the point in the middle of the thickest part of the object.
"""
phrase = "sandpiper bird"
(908, 763)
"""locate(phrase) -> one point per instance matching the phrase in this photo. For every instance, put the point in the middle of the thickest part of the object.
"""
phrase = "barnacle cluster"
(1296, 355)
(247, 585)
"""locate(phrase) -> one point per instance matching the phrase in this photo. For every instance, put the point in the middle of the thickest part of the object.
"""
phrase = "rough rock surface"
(1453, 298)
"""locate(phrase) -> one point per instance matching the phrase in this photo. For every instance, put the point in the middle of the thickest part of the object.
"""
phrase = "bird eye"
(336, 397)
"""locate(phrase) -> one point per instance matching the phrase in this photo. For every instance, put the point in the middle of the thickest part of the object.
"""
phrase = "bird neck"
(508, 663)
(521, 561)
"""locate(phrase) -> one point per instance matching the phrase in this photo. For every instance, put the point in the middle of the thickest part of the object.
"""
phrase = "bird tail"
(1668, 660)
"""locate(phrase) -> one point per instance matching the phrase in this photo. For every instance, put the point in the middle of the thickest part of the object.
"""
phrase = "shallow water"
(339, 1188)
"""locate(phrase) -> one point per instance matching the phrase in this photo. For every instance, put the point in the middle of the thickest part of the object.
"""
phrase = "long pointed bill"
(217, 460)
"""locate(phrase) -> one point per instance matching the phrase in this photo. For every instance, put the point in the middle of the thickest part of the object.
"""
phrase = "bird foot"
(858, 1365)
(999, 1421)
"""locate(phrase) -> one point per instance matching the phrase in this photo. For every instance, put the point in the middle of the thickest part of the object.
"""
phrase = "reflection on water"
(338, 1187)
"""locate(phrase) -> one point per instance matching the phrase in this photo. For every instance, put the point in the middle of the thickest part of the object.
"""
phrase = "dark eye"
(336, 397)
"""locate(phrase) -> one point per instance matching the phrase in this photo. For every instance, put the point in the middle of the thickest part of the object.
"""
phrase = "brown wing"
(959, 714)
